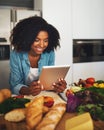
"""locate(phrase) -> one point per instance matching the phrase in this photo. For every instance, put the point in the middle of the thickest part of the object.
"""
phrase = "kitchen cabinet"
(5, 23)
(90, 69)
(88, 19)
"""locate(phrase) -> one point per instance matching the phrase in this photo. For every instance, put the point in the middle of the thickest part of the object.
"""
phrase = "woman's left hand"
(60, 85)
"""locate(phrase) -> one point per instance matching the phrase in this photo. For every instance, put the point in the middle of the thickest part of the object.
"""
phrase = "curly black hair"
(25, 32)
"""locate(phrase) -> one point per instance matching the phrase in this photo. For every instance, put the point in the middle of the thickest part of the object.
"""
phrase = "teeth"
(39, 49)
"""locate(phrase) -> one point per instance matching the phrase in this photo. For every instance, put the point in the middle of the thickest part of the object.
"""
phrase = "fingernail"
(38, 81)
(59, 79)
(54, 84)
(53, 87)
(42, 88)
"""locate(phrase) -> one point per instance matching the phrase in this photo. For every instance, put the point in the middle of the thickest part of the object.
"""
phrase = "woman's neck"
(34, 58)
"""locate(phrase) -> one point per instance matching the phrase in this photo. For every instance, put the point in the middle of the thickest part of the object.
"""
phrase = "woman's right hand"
(34, 89)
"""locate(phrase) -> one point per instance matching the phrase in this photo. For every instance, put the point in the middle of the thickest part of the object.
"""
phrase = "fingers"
(35, 88)
(60, 85)
(57, 88)
(62, 81)
(42, 87)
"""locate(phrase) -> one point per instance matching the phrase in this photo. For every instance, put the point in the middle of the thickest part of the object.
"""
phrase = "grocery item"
(80, 122)
(15, 115)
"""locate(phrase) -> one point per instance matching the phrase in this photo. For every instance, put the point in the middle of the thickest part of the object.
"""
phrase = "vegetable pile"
(12, 103)
(87, 99)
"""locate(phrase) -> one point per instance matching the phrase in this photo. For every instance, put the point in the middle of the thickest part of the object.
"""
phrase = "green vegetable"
(96, 110)
(12, 103)
(99, 81)
(99, 91)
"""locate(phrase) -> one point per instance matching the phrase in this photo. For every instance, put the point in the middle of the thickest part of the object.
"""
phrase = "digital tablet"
(51, 74)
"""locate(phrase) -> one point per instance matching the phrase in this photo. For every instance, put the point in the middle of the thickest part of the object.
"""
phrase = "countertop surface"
(6, 125)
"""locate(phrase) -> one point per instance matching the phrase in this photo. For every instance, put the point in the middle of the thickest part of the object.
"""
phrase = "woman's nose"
(41, 43)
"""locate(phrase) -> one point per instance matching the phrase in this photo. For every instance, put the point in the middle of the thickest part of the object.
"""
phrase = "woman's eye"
(36, 40)
(46, 40)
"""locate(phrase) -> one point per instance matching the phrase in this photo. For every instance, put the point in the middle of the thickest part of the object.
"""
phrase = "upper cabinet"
(10, 17)
(5, 23)
(88, 19)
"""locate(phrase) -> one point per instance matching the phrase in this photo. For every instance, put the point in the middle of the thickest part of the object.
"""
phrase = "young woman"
(33, 41)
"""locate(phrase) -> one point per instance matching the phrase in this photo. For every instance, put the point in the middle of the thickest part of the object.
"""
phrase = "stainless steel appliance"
(88, 50)
(4, 63)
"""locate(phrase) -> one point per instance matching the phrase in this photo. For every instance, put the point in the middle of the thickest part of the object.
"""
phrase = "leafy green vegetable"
(12, 103)
(99, 81)
(99, 91)
(96, 110)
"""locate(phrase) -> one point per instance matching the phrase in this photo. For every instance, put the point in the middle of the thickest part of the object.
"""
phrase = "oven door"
(4, 65)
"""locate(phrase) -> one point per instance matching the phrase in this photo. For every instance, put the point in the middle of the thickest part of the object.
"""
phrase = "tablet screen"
(51, 74)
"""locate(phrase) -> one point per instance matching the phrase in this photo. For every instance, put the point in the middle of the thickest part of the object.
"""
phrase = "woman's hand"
(33, 89)
(59, 86)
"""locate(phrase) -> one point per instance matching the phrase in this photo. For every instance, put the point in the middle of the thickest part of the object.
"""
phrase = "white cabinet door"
(21, 14)
(90, 69)
(5, 23)
(81, 18)
(88, 19)
(97, 19)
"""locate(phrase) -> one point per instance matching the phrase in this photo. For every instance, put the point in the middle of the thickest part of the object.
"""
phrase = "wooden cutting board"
(6, 125)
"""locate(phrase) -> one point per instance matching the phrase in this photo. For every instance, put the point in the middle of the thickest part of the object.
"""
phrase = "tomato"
(19, 96)
(48, 101)
(68, 91)
(88, 85)
(90, 80)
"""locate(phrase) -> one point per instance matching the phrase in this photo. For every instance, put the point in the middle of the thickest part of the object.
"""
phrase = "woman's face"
(40, 43)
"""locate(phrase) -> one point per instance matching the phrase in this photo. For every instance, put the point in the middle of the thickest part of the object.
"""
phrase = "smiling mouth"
(40, 49)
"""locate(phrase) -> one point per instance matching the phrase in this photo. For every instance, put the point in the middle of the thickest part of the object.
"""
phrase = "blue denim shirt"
(20, 66)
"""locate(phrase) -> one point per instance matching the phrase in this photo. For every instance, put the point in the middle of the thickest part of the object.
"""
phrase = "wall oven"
(88, 50)
(4, 63)
(88, 58)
